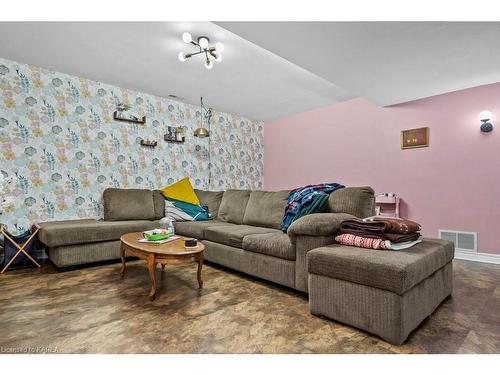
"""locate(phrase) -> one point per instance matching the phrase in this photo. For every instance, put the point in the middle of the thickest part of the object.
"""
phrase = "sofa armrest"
(324, 224)
(310, 232)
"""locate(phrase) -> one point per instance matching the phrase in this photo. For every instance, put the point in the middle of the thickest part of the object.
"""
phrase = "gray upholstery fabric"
(159, 204)
(270, 268)
(232, 235)
(380, 312)
(222, 254)
(212, 199)
(233, 205)
(266, 208)
(69, 232)
(357, 201)
(72, 255)
(396, 271)
(304, 244)
(273, 244)
(325, 224)
(196, 229)
(128, 204)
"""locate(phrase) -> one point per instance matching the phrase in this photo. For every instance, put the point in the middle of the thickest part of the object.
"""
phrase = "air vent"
(466, 241)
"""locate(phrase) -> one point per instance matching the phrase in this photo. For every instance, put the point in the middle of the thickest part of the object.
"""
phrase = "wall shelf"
(175, 140)
(117, 117)
(149, 143)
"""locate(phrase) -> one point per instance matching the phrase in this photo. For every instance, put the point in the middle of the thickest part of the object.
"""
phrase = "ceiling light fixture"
(203, 44)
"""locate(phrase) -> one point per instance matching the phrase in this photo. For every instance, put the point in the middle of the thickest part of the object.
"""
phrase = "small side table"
(387, 206)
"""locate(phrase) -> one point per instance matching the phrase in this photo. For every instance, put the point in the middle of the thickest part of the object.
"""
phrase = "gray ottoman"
(387, 293)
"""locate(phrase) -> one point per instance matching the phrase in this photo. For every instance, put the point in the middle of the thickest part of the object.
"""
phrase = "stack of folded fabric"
(379, 233)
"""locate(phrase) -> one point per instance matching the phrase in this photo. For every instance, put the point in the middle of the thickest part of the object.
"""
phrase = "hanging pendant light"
(202, 132)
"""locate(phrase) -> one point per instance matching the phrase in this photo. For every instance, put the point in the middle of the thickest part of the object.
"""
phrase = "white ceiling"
(385, 62)
(269, 69)
(250, 81)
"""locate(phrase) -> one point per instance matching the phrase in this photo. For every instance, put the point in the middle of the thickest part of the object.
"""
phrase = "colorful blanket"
(301, 198)
(384, 229)
(373, 243)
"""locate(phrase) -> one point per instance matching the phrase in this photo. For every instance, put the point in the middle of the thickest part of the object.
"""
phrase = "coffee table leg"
(200, 265)
(122, 256)
(152, 275)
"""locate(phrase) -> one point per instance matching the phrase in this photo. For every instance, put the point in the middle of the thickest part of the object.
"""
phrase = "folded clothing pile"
(379, 233)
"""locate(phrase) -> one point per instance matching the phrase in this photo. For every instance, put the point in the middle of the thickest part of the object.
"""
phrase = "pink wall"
(453, 184)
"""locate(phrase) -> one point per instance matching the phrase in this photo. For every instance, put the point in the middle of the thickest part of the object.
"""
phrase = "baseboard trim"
(477, 257)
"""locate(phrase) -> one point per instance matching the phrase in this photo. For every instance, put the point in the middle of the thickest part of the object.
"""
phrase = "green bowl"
(156, 237)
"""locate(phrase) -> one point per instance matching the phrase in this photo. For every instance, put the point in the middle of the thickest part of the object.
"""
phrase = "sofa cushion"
(396, 271)
(273, 244)
(357, 201)
(323, 224)
(128, 204)
(70, 232)
(196, 229)
(181, 190)
(233, 205)
(212, 199)
(232, 235)
(266, 208)
(159, 204)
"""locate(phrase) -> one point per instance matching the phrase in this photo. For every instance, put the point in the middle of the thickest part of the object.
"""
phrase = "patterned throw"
(301, 198)
(395, 225)
(367, 243)
(184, 211)
(373, 243)
(394, 230)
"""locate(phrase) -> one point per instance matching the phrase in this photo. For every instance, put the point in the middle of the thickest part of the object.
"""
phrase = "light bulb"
(203, 42)
(209, 64)
(187, 38)
(218, 57)
(219, 47)
(485, 116)
(181, 56)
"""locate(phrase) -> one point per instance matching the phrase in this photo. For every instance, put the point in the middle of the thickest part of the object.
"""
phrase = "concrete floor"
(92, 310)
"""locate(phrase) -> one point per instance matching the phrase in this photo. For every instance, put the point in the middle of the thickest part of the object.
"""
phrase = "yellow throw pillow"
(182, 190)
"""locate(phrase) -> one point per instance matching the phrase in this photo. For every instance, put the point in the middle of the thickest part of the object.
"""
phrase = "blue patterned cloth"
(302, 197)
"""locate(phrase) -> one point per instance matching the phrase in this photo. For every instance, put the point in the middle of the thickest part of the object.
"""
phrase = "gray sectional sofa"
(245, 234)
(387, 293)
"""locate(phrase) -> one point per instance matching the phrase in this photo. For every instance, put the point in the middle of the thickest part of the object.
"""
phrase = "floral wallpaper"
(59, 142)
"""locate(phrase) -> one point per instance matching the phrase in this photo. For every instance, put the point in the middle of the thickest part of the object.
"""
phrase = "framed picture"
(414, 138)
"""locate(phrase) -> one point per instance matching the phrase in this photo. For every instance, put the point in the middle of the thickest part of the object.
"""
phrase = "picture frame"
(414, 138)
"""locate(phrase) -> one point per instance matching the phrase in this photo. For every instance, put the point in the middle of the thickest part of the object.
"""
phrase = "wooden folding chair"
(20, 248)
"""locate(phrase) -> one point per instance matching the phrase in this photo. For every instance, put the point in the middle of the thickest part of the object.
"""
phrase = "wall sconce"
(485, 117)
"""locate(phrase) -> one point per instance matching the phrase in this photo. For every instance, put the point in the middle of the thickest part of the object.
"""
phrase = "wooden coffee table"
(168, 253)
